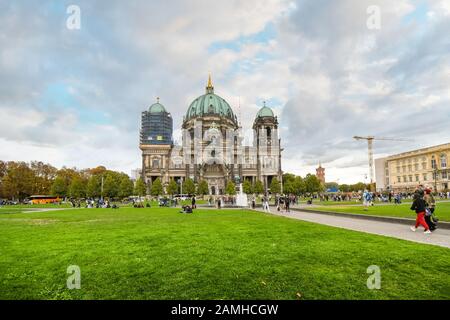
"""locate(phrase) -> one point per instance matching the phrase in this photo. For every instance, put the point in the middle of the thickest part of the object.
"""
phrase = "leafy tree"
(94, 187)
(259, 187)
(110, 186)
(98, 171)
(140, 189)
(68, 175)
(288, 187)
(125, 187)
(59, 187)
(189, 186)
(77, 188)
(331, 185)
(203, 188)
(172, 187)
(3, 169)
(312, 183)
(230, 189)
(288, 177)
(157, 188)
(43, 176)
(247, 187)
(360, 186)
(18, 182)
(299, 185)
(275, 186)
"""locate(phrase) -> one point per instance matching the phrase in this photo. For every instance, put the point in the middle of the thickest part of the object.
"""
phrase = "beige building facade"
(405, 171)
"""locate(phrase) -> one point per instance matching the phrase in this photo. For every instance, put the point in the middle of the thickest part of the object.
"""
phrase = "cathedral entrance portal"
(216, 186)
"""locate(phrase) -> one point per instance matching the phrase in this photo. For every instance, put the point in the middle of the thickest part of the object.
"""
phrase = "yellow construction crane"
(370, 148)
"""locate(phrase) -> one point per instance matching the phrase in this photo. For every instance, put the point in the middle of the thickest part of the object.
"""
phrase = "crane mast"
(370, 140)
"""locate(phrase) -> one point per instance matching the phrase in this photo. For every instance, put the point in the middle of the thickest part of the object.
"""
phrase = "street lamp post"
(435, 173)
(181, 185)
(282, 184)
(101, 192)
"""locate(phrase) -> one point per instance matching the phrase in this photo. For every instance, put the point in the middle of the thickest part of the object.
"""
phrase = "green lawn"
(403, 210)
(155, 253)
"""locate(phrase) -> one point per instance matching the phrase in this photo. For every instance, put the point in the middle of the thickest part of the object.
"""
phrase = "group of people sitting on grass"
(424, 205)
(186, 209)
(91, 203)
(140, 204)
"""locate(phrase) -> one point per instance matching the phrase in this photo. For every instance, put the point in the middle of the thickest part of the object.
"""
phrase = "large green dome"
(210, 104)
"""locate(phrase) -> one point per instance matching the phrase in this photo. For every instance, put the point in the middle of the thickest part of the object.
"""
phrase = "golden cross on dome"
(157, 99)
(209, 81)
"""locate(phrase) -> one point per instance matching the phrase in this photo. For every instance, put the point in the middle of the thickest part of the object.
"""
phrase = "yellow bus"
(44, 199)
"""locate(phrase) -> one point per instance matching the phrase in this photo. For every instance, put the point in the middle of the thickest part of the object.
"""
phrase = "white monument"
(241, 198)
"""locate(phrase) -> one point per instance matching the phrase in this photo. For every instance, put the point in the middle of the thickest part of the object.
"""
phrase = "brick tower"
(320, 174)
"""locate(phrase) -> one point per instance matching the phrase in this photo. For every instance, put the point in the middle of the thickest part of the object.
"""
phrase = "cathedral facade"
(212, 146)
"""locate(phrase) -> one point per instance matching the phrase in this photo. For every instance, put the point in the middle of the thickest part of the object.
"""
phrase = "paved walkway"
(31, 210)
(316, 203)
(440, 237)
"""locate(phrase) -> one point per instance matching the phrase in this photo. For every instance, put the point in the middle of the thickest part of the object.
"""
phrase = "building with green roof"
(212, 146)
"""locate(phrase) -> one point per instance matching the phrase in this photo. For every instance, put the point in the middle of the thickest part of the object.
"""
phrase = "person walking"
(431, 205)
(419, 205)
(367, 198)
(266, 204)
(287, 203)
(193, 200)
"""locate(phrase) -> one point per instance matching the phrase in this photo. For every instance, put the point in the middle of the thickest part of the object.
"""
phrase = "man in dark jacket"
(419, 206)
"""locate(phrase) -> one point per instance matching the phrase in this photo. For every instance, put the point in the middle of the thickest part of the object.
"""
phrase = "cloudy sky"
(74, 97)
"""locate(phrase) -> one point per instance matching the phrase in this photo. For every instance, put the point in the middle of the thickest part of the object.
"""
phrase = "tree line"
(19, 180)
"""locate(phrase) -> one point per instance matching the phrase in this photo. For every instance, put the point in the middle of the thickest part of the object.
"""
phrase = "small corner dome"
(265, 112)
(156, 108)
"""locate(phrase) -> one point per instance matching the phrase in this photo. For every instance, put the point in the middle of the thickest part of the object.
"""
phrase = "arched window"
(155, 163)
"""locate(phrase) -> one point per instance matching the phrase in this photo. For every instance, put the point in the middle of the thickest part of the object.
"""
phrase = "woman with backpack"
(419, 205)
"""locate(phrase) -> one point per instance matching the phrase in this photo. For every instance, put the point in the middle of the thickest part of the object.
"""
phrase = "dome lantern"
(209, 86)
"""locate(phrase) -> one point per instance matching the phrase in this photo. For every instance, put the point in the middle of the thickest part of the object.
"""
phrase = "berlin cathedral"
(212, 145)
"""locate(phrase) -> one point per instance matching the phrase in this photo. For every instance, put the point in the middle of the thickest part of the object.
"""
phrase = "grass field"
(403, 210)
(228, 254)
